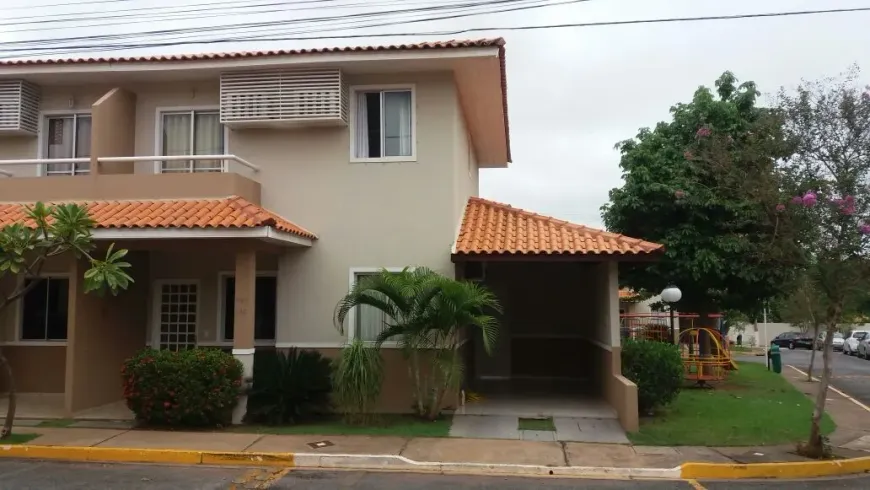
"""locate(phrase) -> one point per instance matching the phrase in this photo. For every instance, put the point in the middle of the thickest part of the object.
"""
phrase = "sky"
(573, 93)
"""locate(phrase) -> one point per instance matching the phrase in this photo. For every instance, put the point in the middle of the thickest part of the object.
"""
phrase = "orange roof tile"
(626, 293)
(493, 228)
(451, 44)
(230, 212)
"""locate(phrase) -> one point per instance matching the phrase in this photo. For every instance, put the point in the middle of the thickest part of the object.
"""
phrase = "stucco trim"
(34, 343)
(601, 344)
(244, 352)
(310, 345)
(265, 233)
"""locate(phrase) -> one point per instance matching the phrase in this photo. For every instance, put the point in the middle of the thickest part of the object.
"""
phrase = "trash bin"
(774, 357)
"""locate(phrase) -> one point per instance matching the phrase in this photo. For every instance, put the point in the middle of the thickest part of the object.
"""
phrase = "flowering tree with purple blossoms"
(827, 124)
(703, 184)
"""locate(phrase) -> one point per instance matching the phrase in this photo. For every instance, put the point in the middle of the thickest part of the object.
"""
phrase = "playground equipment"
(653, 326)
(706, 357)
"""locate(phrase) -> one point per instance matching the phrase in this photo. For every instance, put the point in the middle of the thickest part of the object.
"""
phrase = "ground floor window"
(265, 307)
(178, 315)
(368, 321)
(45, 309)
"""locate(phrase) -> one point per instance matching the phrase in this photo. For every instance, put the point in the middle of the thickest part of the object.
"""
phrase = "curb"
(806, 469)
(388, 462)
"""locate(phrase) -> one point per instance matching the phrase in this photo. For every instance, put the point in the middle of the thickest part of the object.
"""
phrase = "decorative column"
(243, 321)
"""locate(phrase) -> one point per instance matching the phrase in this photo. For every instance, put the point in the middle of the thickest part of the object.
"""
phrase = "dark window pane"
(373, 105)
(265, 306)
(230, 306)
(58, 301)
(33, 322)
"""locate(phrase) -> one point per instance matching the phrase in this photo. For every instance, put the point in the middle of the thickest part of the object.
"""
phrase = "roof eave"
(650, 256)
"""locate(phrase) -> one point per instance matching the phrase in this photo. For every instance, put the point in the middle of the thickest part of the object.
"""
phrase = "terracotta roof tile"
(230, 212)
(451, 44)
(493, 228)
(626, 294)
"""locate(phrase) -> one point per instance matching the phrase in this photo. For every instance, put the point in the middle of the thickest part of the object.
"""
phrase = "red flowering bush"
(198, 387)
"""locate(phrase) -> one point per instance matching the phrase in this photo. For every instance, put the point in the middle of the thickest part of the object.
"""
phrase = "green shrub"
(357, 381)
(289, 387)
(198, 387)
(657, 370)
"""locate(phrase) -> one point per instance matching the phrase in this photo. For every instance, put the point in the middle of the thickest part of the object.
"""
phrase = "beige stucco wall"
(365, 214)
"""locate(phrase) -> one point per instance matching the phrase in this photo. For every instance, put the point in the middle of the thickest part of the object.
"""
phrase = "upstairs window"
(383, 125)
(192, 133)
(68, 136)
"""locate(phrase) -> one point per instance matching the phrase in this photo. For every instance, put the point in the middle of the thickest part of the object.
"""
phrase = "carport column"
(243, 337)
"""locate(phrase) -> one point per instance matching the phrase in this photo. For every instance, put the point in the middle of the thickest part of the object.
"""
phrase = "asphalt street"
(23, 475)
(850, 374)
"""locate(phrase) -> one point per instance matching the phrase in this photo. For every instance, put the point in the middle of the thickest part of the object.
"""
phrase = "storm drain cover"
(320, 444)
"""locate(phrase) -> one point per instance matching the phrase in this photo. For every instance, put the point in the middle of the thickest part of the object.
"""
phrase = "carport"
(558, 352)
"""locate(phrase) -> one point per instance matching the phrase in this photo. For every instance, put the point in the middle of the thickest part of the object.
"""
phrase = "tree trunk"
(10, 410)
(815, 447)
(813, 353)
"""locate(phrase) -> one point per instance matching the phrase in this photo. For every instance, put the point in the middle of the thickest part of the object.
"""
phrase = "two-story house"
(253, 189)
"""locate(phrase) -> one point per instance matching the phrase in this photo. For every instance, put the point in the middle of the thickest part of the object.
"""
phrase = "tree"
(828, 124)
(47, 232)
(804, 307)
(426, 313)
(703, 185)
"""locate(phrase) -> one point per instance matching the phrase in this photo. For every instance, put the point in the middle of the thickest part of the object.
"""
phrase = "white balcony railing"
(223, 160)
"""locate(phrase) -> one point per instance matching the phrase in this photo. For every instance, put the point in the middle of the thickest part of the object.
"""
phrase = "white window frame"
(222, 309)
(351, 315)
(42, 140)
(19, 315)
(156, 298)
(354, 100)
(158, 132)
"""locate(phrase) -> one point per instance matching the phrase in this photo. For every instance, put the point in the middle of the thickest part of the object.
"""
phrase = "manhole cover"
(320, 444)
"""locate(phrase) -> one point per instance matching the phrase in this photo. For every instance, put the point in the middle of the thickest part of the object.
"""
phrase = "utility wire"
(469, 30)
(457, 9)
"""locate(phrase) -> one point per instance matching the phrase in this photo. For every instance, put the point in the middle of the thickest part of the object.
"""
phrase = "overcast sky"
(573, 92)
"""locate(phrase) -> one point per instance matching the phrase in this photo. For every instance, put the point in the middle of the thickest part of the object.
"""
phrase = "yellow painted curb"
(130, 455)
(808, 469)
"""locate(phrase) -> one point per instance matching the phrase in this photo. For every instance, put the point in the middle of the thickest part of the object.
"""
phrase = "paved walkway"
(568, 429)
(852, 439)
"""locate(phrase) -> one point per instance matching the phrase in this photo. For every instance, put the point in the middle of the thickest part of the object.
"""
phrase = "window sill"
(411, 159)
(35, 343)
(229, 343)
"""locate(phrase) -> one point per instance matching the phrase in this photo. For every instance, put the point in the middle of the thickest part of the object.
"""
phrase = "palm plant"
(425, 312)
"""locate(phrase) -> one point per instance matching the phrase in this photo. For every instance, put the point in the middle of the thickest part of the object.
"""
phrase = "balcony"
(131, 177)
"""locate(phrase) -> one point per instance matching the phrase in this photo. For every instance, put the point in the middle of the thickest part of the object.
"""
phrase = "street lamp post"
(671, 295)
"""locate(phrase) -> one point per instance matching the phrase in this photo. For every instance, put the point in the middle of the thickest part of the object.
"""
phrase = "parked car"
(793, 340)
(850, 346)
(836, 343)
(864, 348)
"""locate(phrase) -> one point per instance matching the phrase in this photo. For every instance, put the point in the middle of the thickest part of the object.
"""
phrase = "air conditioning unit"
(19, 108)
(284, 98)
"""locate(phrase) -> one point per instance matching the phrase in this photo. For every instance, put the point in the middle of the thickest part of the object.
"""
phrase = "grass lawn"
(536, 424)
(753, 407)
(16, 438)
(384, 425)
